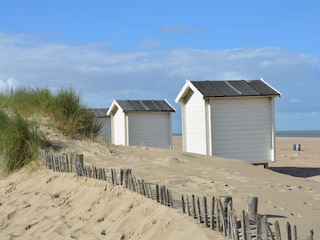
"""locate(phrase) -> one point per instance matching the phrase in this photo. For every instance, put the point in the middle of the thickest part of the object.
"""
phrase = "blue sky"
(110, 50)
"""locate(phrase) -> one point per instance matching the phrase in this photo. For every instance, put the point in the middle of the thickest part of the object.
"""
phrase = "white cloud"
(102, 75)
(294, 100)
(9, 84)
(179, 29)
(149, 44)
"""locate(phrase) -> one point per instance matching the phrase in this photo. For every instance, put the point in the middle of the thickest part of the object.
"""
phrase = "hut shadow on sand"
(303, 172)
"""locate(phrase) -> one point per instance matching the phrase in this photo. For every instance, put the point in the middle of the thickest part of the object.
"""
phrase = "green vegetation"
(20, 137)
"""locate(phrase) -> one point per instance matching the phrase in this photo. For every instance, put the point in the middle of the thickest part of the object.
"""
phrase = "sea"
(291, 133)
(299, 133)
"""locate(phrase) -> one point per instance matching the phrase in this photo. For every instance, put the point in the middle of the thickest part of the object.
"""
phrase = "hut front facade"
(231, 119)
(141, 122)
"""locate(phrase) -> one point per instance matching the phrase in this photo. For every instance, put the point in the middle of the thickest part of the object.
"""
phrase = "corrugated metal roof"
(234, 88)
(100, 112)
(145, 105)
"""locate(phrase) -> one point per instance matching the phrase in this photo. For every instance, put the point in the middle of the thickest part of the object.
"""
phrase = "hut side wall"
(119, 128)
(106, 127)
(194, 126)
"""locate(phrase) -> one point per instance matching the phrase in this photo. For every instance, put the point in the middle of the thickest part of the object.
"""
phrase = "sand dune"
(48, 205)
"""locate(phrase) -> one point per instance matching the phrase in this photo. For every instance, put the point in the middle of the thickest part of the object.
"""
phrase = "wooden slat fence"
(215, 213)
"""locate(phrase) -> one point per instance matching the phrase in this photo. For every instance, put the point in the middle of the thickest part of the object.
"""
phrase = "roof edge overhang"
(240, 97)
(113, 106)
(280, 94)
(185, 90)
(174, 110)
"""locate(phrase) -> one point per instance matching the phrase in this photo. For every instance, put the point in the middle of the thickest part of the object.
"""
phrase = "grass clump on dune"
(20, 139)
(19, 142)
(71, 117)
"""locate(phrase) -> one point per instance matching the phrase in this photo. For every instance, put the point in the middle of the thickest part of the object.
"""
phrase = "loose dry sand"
(48, 205)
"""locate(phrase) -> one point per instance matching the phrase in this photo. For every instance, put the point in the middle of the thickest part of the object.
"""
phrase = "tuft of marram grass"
(19, 142)
(20, 139)
(72, 118)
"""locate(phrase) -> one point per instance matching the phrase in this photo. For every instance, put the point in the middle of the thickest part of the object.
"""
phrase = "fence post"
(258, 228)
(67, 163)
(295, 234)
(188, 206)
(234, 222)
(225, 200)
(199, 210)
(310, 235)
(157, 193)
(277, 230)
(212, 213)
(183, 204)
(193, 207)
(288, 227)
(245, 226)
(78, 162)
(205, 214)
(252, 207)
(121, 176)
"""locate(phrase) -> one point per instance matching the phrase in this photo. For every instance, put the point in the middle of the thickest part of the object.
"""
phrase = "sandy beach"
(42, 204)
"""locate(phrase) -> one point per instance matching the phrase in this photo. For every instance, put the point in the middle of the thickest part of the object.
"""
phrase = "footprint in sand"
(280, 208)
(316, 197)
(307, 203)
(11, 188)
(295, 215)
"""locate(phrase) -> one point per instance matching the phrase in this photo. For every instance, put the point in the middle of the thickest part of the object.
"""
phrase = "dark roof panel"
(145, 106)
(99, 112)
(234, 88)
(263, 88)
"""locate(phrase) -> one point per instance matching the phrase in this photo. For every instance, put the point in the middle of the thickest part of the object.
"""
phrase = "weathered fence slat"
(277, 230)
(252, 207)
(258, 226)
(113, 177)
(188, 206)
(193, 207)
(220, 216)
(228, 220)
(199, 210)
(205, 214)
(157, 193)
(264, 227)
(295, 234)
(183, 204)
(79, 164)
(235, 231)
(212, 218)
(245, 226)
(288, 228)
(310, 235)
(270, 231)
(67, 163)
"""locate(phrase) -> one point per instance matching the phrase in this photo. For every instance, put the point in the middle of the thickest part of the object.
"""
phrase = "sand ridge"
(48, 205)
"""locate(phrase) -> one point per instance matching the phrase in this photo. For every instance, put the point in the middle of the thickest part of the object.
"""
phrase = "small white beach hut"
(101, 116)
(141, 122)
(232, 119)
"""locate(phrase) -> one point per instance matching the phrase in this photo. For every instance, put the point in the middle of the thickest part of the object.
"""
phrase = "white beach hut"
(141, 122)
(105, 121)
(232, 119)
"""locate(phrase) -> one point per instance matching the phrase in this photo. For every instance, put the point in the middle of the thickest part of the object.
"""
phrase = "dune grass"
(19, 142)
(20, 138)
(71, 117)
